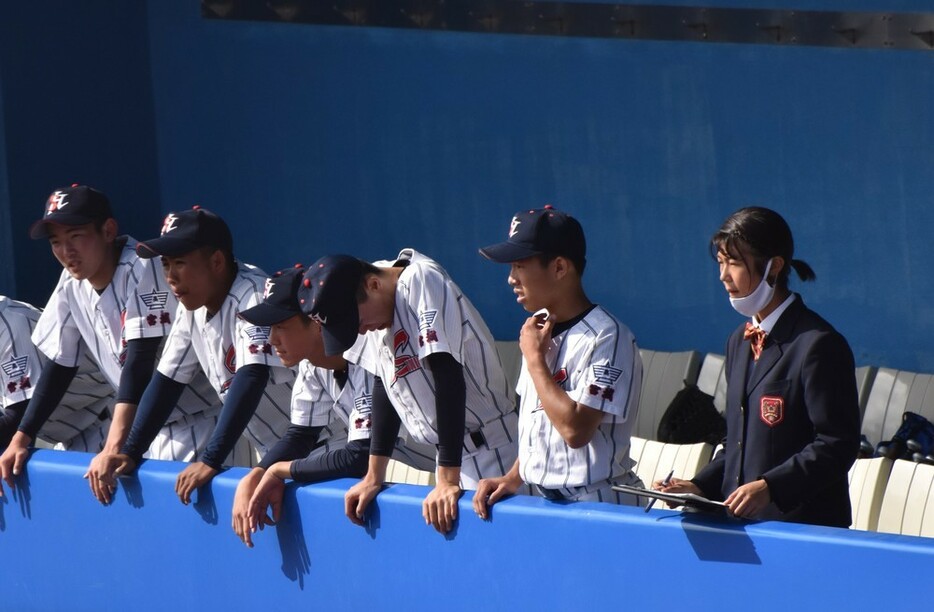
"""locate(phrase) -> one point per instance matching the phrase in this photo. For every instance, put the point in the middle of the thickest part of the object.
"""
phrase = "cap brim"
(40, 229)
(266, 314)
(507, 252)
(339, 336)
(166, 245)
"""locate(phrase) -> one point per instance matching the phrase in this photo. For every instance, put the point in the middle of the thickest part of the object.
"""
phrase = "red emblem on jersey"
(561, 376)
(405, 364)
(230, 361)
(164, 318)
(151, 320)
(604, 392)
(771, 410)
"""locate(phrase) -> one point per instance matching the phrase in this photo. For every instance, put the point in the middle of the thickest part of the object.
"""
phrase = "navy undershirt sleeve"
(49, 391)
(451, 402)
(9, 421)
(351, 461)
(385, 422)
(240, 403)
(297, 443)
(137, 369)
(155, 406)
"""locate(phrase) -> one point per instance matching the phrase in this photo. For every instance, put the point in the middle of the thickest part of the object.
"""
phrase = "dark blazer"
(796, 424)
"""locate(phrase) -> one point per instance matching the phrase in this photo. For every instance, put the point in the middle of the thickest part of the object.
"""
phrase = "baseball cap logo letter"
(169, 224)
(268, 289)
(56, 200)
(514, 226)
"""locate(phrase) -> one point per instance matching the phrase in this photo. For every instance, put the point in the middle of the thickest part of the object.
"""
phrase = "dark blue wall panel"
(77, 107)
(320, 139)
(149, 552)
(314, 139)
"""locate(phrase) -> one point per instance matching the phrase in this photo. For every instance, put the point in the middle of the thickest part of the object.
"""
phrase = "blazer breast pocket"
(772, 402)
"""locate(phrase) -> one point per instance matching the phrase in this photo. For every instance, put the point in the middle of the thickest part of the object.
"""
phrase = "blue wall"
(64, 551)
(314, 139)
(77, 107)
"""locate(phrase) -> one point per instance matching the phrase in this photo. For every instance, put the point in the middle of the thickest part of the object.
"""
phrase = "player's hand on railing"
(358, 498)
(491, 490)
(268, 494)
(102, 474)
(240, 513)
(13, 460)
(196, 475)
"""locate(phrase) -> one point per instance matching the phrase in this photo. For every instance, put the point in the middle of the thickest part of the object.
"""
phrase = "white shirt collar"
(769, 322)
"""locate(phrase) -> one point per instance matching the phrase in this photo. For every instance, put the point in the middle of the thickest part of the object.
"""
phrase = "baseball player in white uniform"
(331, 402)
(196, 249)
(437, 372)
(109, 304)
(80, 420)
(581, 372)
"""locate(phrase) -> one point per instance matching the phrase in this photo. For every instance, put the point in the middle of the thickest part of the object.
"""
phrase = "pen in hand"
(665, 483)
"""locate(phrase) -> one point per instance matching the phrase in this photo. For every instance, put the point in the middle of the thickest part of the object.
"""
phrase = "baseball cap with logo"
(280, 298)
(186, 231)
(541, 231)
(328, 294)
(75, 205)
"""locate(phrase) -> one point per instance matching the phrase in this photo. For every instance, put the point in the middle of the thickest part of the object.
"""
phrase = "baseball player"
(80, 421)
(109, 304)
(330, 432)
(212, 288)
(581, 372)
(436, 368)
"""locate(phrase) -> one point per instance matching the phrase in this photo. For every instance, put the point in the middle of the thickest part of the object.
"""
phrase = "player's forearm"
(120, 423)
(242, 398)
(449, 475)
(46, 397)
(575, 423)
(451, 403)
(376, 469)
(281, 470)
(154, 409)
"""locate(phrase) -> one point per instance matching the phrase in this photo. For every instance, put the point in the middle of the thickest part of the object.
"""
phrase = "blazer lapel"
(773, 345)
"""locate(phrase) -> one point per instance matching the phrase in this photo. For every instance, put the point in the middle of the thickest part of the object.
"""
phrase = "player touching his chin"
(581, 372)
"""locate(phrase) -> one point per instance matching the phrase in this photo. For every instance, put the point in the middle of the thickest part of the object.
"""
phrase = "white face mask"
(757, 300)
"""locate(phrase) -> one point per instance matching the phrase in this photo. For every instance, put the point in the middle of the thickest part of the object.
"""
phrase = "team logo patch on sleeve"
(426, 319)
(155, 300)
(15, 367)
(257, 333)
(606, 375)
(771, 410)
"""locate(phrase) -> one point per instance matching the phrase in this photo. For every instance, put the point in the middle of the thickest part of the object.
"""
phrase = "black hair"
(763, 234)
(579, 262)
(229, 262)
(366, 268)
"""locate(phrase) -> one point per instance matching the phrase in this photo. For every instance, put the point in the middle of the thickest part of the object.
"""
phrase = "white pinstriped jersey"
(136, 304)
(319, 401)
(432, 315)
(224, 342)
(21, 363)
(597, 363)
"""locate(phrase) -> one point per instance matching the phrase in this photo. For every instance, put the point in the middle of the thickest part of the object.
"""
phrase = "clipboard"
(690, 501)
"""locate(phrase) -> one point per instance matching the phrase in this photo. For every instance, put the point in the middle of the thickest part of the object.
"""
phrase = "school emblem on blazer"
(771, 410)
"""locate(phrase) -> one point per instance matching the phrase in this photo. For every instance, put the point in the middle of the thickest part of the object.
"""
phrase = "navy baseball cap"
(185, 231)
(280, 298)
(542, 231)
(75, 205)
(328, 294)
